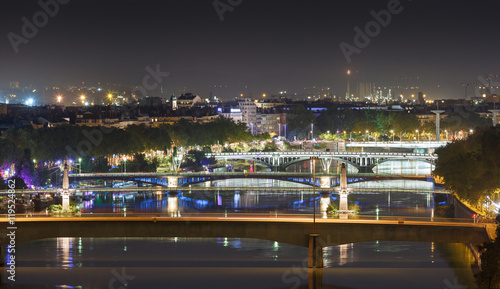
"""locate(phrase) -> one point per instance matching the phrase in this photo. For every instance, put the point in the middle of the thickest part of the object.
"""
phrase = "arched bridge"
(183, 180)
(364, 162)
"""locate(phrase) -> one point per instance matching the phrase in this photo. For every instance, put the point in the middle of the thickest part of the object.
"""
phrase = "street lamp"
(313, 160)
(446, 131)
(392, 131)
(125, 164)
(350, 136)
(80, 164)
(418, 137)
(367, 137)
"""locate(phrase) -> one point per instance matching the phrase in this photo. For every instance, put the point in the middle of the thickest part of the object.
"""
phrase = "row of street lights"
(417, 133)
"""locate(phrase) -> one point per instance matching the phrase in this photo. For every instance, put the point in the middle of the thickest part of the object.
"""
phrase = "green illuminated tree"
(470, 167)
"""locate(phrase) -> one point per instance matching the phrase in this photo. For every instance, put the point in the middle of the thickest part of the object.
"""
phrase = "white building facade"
(248, 113)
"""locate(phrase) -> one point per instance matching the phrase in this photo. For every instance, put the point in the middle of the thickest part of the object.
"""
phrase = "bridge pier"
(173, 181)
(315, 278)
(325, 182)
(343, 193)
(65, 192)
(315, 256)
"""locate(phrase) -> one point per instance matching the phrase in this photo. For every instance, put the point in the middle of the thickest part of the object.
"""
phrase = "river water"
(235, 263)
(243, 263)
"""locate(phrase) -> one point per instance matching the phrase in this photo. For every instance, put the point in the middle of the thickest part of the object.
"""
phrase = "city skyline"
(232, 47)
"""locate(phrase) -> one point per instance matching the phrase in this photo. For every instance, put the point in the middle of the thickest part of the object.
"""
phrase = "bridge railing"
(315, 153)
(155, 175)
(322, 154)
(273, 214)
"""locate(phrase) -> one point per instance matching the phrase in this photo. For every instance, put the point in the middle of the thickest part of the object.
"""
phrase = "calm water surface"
(235, 263)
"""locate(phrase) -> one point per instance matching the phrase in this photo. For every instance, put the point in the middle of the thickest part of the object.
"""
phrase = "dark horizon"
(259, 47)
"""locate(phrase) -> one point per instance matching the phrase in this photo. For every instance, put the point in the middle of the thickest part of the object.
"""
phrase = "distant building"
(428, 117)
(3, 108)
(231, 113)
(444, 103)
(365, 90)
(173, 102)
(269, 104)
(188, 100)
(421, 98)
(152, 101)
(269, 123)
(88, 119)
(248, 113)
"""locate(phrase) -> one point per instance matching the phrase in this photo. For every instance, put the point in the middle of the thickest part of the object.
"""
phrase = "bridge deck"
(261, 189)
(291, 230)
(269, 216)
(241, 174)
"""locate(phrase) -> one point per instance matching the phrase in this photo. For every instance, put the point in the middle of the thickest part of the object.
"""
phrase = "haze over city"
(259, 47)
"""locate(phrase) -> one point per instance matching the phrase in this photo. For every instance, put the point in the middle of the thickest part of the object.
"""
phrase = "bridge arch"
(364, 162)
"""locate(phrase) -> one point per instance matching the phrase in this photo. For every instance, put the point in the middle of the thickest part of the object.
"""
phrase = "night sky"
(259, 47)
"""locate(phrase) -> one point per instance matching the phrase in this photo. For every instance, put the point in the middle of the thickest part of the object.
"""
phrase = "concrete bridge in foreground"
(295, 230)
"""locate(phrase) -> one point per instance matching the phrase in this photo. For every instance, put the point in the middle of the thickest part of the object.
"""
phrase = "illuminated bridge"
(291, 229)
(184, 180)
(363, 161)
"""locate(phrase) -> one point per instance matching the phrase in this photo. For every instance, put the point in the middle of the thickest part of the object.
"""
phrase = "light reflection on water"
(299, 201)
(175, 204)
(65, 252)
(224, 262)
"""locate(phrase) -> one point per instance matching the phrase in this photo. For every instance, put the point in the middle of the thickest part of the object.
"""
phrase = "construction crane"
(465, 85)
(488, 77)
(491, 76)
